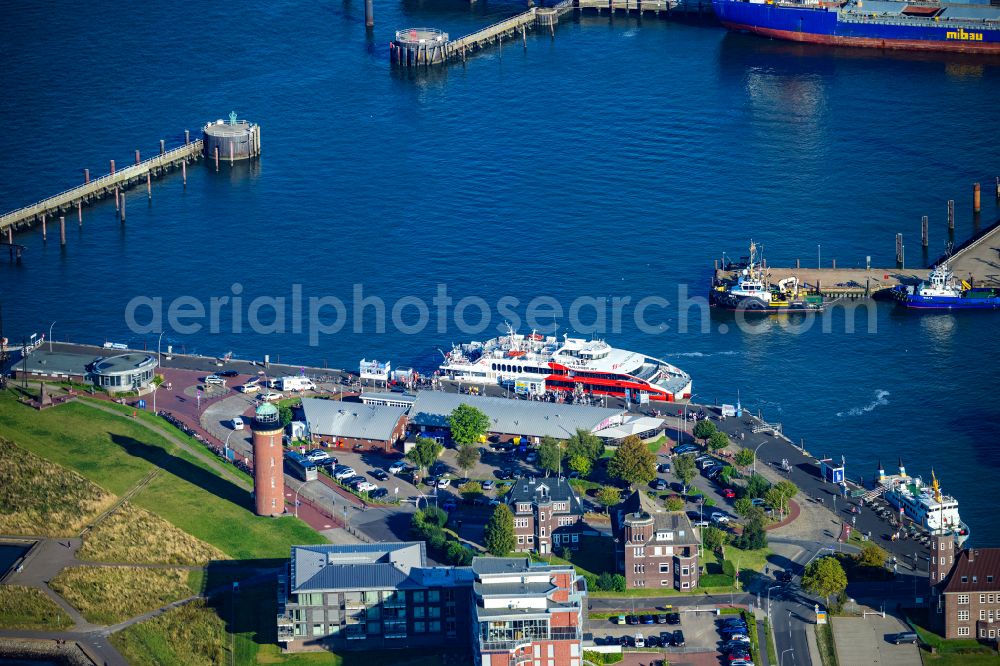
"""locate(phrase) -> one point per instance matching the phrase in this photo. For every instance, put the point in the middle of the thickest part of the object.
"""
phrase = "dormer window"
(965, 579)
(989, 579)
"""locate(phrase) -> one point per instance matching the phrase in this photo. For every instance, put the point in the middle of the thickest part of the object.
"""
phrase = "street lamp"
(50, 336)
(756, 449)
(769, 599)
(225, 445)
(297, 496)
(781, 660)
(158, 363)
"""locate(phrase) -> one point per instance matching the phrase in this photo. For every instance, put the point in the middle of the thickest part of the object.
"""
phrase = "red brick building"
(527, 614)
(548, 515)
(965, 590)
(655, 547)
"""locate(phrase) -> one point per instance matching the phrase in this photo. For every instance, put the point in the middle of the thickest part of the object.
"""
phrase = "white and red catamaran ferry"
(568, 364)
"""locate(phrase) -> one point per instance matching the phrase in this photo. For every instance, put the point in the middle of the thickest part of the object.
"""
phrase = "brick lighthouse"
(268, 477)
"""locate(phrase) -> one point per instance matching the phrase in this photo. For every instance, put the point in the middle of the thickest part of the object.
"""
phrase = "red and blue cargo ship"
(883, 24)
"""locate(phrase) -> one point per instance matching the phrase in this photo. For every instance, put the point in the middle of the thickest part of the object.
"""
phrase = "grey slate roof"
(639, 506)
(356, 567)
(555, 489)
(513, 417)
(350, 419)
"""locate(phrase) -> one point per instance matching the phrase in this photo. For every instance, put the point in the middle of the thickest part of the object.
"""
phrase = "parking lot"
(698, 627)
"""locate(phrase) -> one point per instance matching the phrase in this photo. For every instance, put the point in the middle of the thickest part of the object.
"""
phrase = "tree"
(744, 458)
(704, 429)
(743, 506)
(468, 456)
(424, 453)
(585, 443)
(775, 498)
(674, 503)
(757, 486)
(754, 536)
(685, 469)
(471, 490)
(824, 577)
(468, 424)
(714, 538)
(580, 464)
(285, 414)
(458, 554)
(608, 496)
(871, 555)
(609, 582)
(633, 462)
(499, 536)
(787, 490)
(550, 455)
(718, 440)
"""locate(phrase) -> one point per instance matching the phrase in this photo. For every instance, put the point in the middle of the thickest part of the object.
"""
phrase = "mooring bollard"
(975, 198)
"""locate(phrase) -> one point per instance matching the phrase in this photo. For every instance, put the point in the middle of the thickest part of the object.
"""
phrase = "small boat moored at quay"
(925, 505)
(751, 291)
(942, 291)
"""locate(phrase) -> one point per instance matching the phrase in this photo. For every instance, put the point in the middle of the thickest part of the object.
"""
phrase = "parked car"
(663, 468)
(449, 505)
(618, 619)
(354, 480)
(734, 646)
(631, 619)
(503, 474)
(365, 487)
(661, 619)
(379, 474)
(343, 472)
(488, 484)
(659, 484)
(318, 456)
(237, 423)
(397, 467)
(719, 517)
(647, 619)
(673, 618)
(532, 457)
(700, 523)
(729, 493)
(215, 380)
(250, 387)
(734, 622)
(742, 662)
(678, 638)
(687, 448)
(906, 637)
(227, 373)
(738, 655)
(624, 641)
(653, 641)
(379, 493)
(443, 482)
(714, 473)
(783, 576)
(270, 396)
(461, 482)
(734, 636)
(756, 501)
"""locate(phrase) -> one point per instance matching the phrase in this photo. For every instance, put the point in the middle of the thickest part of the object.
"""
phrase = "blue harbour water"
(618, 159)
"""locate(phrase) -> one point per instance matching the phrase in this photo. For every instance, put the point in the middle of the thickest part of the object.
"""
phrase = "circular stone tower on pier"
(268, 477)
(231, 140)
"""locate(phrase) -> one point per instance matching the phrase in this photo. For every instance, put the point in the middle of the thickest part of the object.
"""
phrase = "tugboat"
(750, 291)
(943, 292)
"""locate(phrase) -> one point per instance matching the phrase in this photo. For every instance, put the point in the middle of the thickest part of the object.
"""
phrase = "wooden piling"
(900, 251)
(79, 212)
(369, 14)
(231, 149)
(149, 186)
(975, 198)
(184, 172)
(62, 230)
(216, 158)
(117, 201)
(112, 167)
(45, 231)
(86, 176)
(163, 147)
(137, 158)
(951, 214)
(923, 231)
(10, 236)
(187, 137)
(998, 187)
(798, 264)
(123, 208)
(834, 264)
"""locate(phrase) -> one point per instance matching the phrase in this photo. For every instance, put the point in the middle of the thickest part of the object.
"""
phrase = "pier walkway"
(980, 258)
(94, 190)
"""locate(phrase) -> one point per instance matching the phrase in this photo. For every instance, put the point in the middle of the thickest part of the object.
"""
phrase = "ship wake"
(881, 399)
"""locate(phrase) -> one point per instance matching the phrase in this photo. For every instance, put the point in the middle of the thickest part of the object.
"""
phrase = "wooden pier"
(108, 185)
(416, 47)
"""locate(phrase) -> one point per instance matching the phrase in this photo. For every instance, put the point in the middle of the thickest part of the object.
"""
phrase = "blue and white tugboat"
(942, 291)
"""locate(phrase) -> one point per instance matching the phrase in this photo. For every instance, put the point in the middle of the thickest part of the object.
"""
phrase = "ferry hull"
(726, 301)
(917, 302)
(824, 27)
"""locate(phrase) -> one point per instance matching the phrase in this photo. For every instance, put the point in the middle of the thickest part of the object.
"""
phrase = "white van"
(237, 423)
(640, 642)
(295, 384)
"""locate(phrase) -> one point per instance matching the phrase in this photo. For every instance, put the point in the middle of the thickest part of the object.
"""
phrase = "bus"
(298, 465)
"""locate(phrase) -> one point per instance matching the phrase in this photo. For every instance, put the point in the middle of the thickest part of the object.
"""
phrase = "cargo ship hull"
(820, 25)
